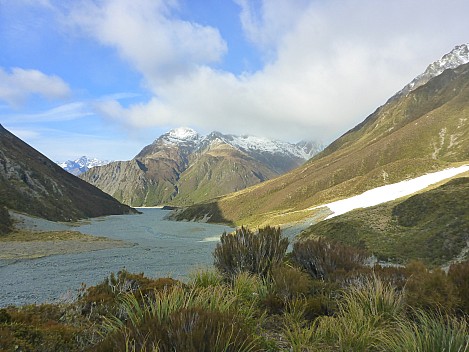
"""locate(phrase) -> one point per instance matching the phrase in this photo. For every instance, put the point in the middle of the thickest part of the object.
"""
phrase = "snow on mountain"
(261, 144)
(81, 165)
(181, 135)
(457, 57)
(187, 137)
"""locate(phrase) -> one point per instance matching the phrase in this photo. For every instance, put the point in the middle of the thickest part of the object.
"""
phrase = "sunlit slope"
(423, 131)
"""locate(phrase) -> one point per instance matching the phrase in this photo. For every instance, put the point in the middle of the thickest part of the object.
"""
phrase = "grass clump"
(429, 332)
(365, 313)
(182, 319)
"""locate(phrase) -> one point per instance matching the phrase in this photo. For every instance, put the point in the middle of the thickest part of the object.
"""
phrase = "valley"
(359, 246)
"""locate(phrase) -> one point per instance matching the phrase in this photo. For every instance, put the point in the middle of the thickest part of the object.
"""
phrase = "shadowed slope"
(33, 184)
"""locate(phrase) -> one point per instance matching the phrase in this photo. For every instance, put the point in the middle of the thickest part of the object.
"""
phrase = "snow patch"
(390, 192)
(183, 133)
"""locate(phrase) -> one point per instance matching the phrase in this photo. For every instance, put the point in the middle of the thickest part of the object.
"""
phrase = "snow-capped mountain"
(81, 165)
(187, 137)
(456, 57)
(183, 167)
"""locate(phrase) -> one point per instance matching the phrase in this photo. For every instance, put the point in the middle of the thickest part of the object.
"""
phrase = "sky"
(104, 78)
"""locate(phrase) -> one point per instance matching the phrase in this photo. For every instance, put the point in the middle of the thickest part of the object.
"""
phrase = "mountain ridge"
(82, 164)
(423, 131)
(182, 167)
(33, 184)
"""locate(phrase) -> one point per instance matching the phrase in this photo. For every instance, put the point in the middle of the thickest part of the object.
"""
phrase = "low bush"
(320, 258)
(429, 290)
(101, 299)
(6, 223)
(248, 251)
(459, 276)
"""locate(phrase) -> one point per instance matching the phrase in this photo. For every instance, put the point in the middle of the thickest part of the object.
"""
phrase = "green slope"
(432, 226)
(424, 131)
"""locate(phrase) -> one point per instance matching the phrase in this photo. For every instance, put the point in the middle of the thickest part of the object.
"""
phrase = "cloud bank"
(16, 86)
(327, 64)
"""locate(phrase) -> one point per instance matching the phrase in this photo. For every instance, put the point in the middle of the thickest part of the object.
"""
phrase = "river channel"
(157, 247)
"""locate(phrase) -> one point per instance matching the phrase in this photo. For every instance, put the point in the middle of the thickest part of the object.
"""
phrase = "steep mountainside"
(81, 165)
(182, 167)
(432, 226)
(33, 184)
(424, 130)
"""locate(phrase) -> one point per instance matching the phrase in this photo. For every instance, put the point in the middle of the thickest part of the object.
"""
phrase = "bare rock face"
(33, 184)
(181, 167)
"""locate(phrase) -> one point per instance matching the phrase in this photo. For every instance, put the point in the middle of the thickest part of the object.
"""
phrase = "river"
(159, 248)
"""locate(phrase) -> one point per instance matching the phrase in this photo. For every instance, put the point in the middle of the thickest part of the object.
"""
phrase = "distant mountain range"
(33, 184)
(81, 165)
(182, 167)
(423, 128)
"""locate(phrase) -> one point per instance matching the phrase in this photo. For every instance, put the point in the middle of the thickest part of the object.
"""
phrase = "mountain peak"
(456, 57)
(183, 133)
(81, 165)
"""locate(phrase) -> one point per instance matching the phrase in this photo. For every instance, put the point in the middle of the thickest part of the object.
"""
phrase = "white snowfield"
(391, 192)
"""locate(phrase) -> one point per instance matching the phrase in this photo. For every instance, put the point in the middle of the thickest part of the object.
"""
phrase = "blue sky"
(104, 78)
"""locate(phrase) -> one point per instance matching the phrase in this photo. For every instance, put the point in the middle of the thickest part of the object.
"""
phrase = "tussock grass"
(429, 332)
(365, 315)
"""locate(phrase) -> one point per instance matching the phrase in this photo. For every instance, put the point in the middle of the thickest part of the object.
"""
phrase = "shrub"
(5, 221)
(41, 328)
(459, 276)
(429, 290)
(249, 251)
(102, 299)
(320, 258)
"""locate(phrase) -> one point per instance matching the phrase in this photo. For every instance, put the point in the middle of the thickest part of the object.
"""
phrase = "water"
(160, 248)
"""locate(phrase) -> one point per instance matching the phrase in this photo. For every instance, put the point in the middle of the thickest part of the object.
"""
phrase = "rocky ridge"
(182, 167)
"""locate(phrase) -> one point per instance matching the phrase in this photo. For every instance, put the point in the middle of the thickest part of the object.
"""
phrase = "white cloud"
(145, 33)
(17, 85)
(65, 112)
(330, 62)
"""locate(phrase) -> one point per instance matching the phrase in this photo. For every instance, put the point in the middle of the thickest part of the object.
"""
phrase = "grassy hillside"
(432, 226)
(424, 131)
(33, 184)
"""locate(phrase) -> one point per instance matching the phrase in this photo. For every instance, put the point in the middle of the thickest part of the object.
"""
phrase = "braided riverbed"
(145, 243)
